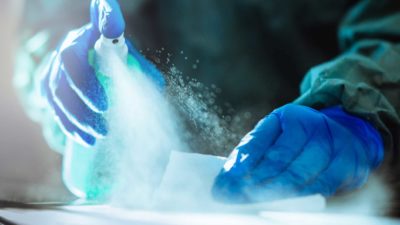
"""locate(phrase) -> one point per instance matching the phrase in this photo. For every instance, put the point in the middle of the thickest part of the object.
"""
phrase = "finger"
(77, 111)
(314, 159)
(347, 171)
(82, 39)
(107, 16)
(252, 147)
(67, 127)
(83, 79)
(229, 189)
(299, 126)
(228, 184)
(77, 134)
(329, 181)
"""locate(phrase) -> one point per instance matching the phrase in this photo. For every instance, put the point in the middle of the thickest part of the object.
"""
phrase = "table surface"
(193, 205)
(104, 214)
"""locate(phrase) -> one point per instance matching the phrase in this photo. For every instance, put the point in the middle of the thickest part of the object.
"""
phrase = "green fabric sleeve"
(365, 79)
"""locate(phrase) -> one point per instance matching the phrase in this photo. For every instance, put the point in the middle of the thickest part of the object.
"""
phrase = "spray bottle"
(88, 172)
(130, 161)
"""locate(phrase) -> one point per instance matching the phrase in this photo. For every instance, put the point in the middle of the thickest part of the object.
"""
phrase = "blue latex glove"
(71, 86)
(298, 151)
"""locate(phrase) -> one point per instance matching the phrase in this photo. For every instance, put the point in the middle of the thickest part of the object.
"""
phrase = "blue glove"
(298, 151)
(71, 87)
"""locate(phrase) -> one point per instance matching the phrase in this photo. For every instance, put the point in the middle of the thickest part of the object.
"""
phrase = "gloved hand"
(298, 151)
(71, 87)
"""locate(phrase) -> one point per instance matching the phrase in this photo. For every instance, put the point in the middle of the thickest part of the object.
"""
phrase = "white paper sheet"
(188, 181)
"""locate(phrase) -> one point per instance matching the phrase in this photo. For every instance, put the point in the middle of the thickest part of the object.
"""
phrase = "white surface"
(100, 215)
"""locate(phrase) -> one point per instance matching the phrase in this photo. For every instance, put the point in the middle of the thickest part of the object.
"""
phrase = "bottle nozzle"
(105, 47)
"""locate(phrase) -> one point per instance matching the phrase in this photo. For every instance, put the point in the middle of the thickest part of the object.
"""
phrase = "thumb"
(106, 16)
